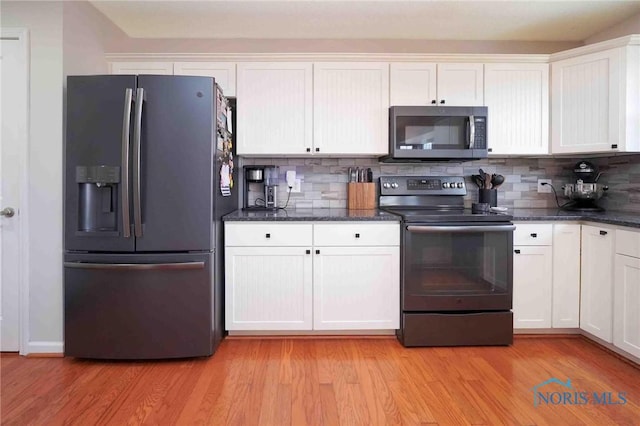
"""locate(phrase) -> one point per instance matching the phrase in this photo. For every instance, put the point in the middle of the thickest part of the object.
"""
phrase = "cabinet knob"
(433, 101)
(267, 235)
(534, 235)
(308, 149)
(317, 149)
(357, 235)
(442, 101)
(308, 251)
(489, 149)
(614, 146)
(603, 232)
(317, 251)
(517, 251)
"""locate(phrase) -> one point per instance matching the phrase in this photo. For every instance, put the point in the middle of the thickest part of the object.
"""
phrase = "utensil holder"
(361, 195)
(489, 196)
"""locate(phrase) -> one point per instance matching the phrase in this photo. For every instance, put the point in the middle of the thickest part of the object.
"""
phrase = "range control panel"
(422, 185)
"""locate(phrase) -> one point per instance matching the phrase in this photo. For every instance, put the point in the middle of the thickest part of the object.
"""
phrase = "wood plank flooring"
(326, 382)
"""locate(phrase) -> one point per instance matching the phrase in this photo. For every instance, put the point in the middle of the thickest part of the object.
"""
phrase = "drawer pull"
(317, 251)
(517, 251)
(603, 232)
(534, 235)
(308, 251)
(357, 235)
(308, 149)
(267, 235)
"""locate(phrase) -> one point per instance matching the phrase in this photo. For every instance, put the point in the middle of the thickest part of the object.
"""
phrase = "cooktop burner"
(430, 199)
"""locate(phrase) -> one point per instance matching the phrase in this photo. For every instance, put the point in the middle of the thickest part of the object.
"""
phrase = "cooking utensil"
(496, 180)
(477, 179)
(487, 181)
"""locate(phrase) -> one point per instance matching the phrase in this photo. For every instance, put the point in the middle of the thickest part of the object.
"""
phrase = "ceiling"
(531, 20)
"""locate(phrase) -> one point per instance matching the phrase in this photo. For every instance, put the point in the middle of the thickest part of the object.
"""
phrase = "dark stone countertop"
(318, 215)
(610, 217)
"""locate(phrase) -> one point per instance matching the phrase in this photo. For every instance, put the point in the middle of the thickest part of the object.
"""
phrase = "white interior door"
(13, 122)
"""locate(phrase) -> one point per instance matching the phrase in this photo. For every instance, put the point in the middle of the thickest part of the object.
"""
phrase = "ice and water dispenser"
(98, 198)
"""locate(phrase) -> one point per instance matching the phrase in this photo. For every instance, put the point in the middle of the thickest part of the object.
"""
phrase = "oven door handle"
(459, 229)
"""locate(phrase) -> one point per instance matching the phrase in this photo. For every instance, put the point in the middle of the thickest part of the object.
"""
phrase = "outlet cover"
(297, 186)
(544, 188)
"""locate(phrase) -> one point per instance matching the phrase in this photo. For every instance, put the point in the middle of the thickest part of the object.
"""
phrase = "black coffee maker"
(264, 181)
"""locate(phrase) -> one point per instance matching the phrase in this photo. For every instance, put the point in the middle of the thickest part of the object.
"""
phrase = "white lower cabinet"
(532, 275)
(356, 288)
(268, 288)
(596, 294)
(351, 283)
(532, 283)
(566, 276)
(626, 313)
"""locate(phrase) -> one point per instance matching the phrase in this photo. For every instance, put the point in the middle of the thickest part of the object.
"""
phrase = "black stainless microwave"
(431, 133)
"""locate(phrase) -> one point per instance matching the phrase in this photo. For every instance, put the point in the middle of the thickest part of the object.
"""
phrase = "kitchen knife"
(350, 175)
(369, 175)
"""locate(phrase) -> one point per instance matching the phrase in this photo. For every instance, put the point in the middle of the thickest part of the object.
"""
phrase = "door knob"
(7, 211)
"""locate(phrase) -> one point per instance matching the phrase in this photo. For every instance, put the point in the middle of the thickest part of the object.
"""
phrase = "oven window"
(427, 133)
(461, 263)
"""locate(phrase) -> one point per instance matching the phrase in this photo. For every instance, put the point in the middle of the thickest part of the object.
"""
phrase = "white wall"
(44, 22)
(66, 38)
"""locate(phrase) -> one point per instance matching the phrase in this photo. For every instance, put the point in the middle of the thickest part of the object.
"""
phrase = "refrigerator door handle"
(126, 128)
(135, 266)
(137, 129)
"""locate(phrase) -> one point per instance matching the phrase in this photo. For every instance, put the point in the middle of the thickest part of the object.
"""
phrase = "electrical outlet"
(544, 188)
(297, 186)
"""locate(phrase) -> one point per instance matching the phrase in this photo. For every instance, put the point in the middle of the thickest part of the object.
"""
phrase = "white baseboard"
(45, 348)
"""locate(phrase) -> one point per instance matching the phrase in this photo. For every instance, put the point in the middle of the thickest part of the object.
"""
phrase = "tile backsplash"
(324, 180)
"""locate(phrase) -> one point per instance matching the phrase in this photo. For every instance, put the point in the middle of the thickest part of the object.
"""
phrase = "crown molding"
(328, 57)
(630, 40)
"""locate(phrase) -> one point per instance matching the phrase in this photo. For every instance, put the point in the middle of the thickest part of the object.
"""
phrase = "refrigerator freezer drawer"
(132, 306)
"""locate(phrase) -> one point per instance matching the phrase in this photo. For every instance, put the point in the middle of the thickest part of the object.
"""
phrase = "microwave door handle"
(137, 129)
(472, 131)
(124, 172)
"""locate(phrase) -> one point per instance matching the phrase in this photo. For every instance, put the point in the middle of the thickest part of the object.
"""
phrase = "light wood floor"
(328, 382)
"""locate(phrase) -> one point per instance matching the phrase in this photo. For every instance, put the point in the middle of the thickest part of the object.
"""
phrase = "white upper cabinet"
(517, 96)
(153, 68)
(223, 72)
(351, 108)
(460, 84)
(274, 108)
(412, 84)
(595, 98)
(448, 84)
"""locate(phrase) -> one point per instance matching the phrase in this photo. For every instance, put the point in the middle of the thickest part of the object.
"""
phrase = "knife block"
(361, 195)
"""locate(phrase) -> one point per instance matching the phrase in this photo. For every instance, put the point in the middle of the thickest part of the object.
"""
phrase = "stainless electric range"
(456, 267)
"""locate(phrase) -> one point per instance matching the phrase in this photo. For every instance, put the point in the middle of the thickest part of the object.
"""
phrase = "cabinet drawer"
(263, 234)
(628, 243)
(538, 234)
(356, 234)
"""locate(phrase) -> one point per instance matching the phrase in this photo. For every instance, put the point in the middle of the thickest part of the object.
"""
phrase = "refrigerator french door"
(141, 212)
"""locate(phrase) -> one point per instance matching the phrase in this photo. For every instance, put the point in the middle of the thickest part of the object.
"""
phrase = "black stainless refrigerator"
(148, 176)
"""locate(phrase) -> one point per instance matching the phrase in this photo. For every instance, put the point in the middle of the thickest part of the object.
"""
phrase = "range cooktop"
(431, 199)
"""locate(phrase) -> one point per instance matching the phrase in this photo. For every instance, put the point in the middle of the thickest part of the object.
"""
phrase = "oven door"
(462, 267)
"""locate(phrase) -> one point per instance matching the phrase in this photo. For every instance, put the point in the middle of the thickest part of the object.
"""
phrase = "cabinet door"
(517, 96)
(626, 330)
(596, 293)
(356, 288)
(274, 108)
(566, 276)
(268, 288)
(151, 68)
(351, 108)
(532, 268)
(223, 72)
(412, 83)
(585, 103)
(460, 84)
